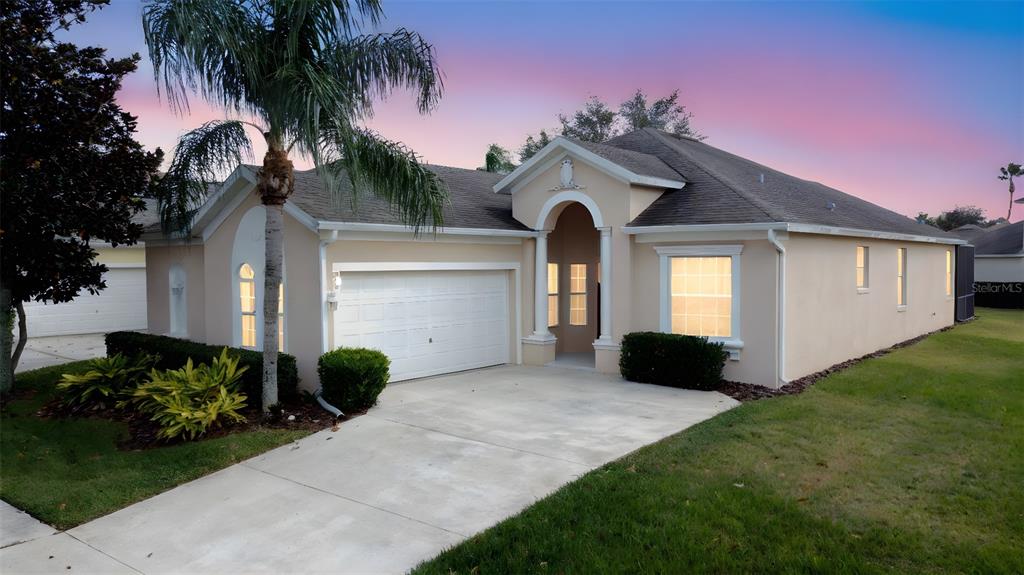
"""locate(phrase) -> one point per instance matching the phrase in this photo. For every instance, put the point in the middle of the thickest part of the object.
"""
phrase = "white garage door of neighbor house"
(122, 305)
(426, 322)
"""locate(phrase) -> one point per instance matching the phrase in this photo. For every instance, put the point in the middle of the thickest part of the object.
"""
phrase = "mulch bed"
(746, 392)
(142, 433)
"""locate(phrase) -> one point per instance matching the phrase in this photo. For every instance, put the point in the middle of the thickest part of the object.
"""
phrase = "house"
(121, 305)
(555, 261)
(999, 266)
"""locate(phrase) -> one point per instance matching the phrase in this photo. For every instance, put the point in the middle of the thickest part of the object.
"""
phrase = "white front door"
(426, 322)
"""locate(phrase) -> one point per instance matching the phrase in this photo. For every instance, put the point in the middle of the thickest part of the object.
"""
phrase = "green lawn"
(913, 462)
(68, 471)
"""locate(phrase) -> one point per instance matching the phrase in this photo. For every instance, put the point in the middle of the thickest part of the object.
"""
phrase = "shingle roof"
(1007, 240)
(473, 203)
(725, 188)
(637, 162)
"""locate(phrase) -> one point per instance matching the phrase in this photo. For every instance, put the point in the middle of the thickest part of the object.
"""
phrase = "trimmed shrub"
(670, 359)
(352, 378)
(108, 379)
(190, 401)
(175, 352)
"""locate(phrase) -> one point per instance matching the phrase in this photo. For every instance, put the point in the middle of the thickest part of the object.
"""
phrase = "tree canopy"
(664, 114)
(533, 145)
(594, 123)
(498, 160)
(71, 172)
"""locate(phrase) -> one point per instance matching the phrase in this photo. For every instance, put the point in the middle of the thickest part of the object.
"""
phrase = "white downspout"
(781, 360)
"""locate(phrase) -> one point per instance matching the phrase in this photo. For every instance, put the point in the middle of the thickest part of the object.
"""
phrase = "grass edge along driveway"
(65, 472)
(911, 462)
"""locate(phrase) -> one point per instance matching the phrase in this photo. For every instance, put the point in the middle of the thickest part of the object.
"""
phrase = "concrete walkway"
(58, 349)
(437, 461)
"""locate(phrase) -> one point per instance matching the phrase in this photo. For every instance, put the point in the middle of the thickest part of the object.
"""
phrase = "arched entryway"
(573, 277)
(574, 258)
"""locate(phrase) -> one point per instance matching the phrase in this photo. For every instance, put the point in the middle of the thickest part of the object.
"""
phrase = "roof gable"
(626, 165)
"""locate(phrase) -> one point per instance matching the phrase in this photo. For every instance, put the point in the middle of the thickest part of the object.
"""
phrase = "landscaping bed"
(66, 470)
(906, 462)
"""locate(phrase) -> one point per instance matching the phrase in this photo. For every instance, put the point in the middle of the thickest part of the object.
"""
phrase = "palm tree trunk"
(272, 273)
(1010, 210)
(275, 183)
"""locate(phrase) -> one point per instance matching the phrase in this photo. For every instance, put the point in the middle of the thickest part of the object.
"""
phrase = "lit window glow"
(701, 294)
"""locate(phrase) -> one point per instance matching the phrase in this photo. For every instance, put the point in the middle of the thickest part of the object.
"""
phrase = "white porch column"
(605, 336)
(540, 314)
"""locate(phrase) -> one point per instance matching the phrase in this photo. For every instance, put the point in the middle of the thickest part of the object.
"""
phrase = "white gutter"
(398, 228)
(780, 374)
(793, 227)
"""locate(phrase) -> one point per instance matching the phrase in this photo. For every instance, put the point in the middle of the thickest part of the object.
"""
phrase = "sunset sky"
(912, 106)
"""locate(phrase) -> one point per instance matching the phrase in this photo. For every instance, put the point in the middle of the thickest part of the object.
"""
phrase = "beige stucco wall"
(159, 260)
(828, 321)
(302, 296)
(758, 301)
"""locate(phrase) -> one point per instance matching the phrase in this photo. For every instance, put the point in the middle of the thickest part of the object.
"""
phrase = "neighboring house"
(558, 259)
(122, 305)
(999, 266)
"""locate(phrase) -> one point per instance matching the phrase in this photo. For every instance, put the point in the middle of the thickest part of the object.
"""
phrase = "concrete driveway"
(438, 460)
(58, 349)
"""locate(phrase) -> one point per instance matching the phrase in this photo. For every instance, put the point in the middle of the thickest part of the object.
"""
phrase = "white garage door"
(122, 305)
(427, 322)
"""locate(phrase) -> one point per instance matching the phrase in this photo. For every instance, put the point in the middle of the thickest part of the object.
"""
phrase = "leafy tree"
(594, 123)
(664, 114)
(302, 74)
(533, 145)
(71, 172)
(1008, 173)
(960, 216)
(498, 160)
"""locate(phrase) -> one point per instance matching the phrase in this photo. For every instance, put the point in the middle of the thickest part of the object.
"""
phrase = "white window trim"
(866, 288)
(901, 273)
(733, 344)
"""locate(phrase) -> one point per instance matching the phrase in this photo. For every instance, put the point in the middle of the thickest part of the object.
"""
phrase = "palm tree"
(1010, 172)
(303, 74)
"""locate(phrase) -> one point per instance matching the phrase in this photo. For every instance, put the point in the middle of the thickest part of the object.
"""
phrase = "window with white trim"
(862, 267)
(578, 294)
(552, 295)
(247, 295)
(700, 291)
(949, 272)
(901, 277)
(701, 294)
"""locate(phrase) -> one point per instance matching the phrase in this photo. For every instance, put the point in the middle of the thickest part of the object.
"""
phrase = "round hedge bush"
(352, 378)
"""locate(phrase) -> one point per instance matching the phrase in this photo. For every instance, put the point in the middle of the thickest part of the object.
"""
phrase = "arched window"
(247, 294)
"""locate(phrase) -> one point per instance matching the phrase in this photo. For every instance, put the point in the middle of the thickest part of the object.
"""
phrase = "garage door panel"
(121, 306)
(426, 322)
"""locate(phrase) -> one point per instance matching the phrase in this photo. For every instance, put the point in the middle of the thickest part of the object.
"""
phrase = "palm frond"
(202, 157)
(372, 66)
(210, 46)
(388, 170)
